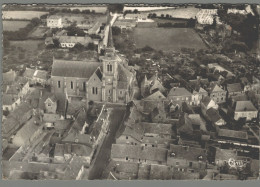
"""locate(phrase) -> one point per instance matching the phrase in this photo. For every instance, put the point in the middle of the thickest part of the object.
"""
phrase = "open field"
(184, 13)
(23, 15)
(14, 25)
(38, 32)
(168, 39)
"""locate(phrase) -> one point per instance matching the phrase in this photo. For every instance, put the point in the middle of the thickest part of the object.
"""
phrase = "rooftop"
(242, 106)
(179, 92)
(236, 87)
(213, 115)
(80, 69)
(138, 152)
(232, 134)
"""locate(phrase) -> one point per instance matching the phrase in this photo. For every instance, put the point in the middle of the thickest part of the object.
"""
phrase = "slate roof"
(157, 128)
(155, 96)
(179, 92)
(40, 74)
(138, 152)
(206, 100)
(215, 88)
(225, 154)
(236, 87)
(232, 134)
(213, 115)
(9, 99)
(80, 69)
(75, 39)
(25, 133)
(188, 153)
(244, 106)
(9, 77)
(28, 73)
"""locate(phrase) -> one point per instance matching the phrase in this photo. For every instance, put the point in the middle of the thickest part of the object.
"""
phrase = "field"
(14, 25)
(185, 13)
(38, 32)
(23, 15)
(168, 39)
(21, 53)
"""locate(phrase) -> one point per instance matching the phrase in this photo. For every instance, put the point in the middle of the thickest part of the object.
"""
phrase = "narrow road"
(102, 157)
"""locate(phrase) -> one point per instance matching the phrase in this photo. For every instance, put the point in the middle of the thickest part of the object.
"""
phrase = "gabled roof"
(244, 106)
(215, 88)
(28, 73)
(75, 39)
(213, 115)
(232, 134)
(138, 152)
(52, 98)
(188, 153)
(80, 69)
(236, 87)
(179, 92)
(206, 100)
(9, 99)
(155, 96)
(9, 77)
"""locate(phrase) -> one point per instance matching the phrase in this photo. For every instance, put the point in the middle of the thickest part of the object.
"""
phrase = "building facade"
(107, 80)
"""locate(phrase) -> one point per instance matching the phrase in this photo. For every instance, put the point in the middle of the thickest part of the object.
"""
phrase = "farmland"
(167, 39)
(14, 25)
(22, 15)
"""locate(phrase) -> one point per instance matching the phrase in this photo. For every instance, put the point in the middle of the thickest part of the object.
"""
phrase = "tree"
(135, 11)
(115, 8)
(116, 30)
(76, 11)
(74, 30)
(91, 47)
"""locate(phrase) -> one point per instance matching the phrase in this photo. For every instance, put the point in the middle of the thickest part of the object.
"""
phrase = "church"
(108, 80)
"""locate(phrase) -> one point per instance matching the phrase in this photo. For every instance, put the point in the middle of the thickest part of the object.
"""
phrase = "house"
(232, 135)
(197, 95)
(111, 81)
(149, 86)
(206, 16)
(245, 109)
(234, 89)
(125, 24)
(180, 94)
(138, 154)
(54, 21)
(207, 103)
(25, 135)
(48, 41)
(36, 76)
(155, 96)
(158, 114)
(187, 158)
(217, 94)
(213, 116)
(71, 41)
(10, 102)
(51, 104)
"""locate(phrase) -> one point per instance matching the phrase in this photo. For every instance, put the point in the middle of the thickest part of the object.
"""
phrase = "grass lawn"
(168, 39)
(14, 25)
(27, 15)
(38, 32)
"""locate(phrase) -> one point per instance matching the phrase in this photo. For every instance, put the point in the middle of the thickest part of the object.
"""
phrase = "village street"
(102, 158)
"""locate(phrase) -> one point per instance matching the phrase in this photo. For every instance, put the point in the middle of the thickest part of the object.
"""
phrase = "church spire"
(110, 38)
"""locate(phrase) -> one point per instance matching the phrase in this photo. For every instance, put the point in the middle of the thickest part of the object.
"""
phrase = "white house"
(245, 109)
(54, 21)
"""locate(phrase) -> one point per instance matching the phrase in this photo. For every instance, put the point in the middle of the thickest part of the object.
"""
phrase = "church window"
(71, 85)
(96, 90)
(109, 68)
(58, 84)
(120, 92)
(84, 86)
(109, 91)
(93, 90)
